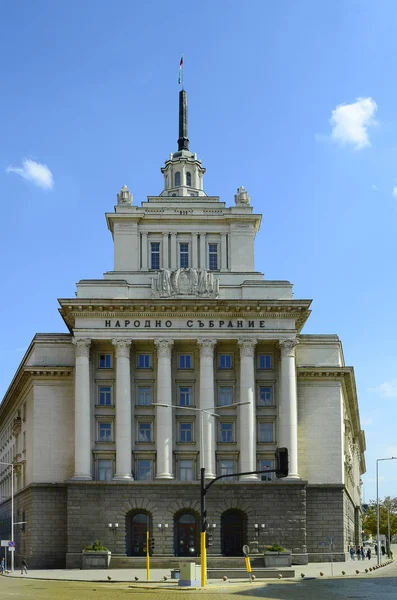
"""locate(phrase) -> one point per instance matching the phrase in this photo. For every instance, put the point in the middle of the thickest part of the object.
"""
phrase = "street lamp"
(12, 512)
(379, 560)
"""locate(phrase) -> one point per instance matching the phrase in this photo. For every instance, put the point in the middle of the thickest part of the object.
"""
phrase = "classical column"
(82, 412)
(203, 252)
(288, 406)
(194, 261)
(123, 410)
(144, 252)
(173, 251)
(165, 250)
(247, 413)
(207, 401)
(164, 416)
(223, 251)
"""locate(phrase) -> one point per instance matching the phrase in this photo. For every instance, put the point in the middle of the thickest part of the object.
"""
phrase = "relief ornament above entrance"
(185, 282)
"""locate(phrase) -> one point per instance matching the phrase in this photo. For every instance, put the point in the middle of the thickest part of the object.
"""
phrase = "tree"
(386, 508)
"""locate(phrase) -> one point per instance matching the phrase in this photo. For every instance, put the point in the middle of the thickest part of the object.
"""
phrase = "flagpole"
(183, 72)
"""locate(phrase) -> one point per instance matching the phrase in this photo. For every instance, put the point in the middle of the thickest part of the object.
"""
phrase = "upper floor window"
(265, 432)
(225, 361)
(145, 469)
(226, 432)
(265, 361)
(263, 464)
(226, 467)
(265, 396)
(105, 470)
(188, 178)
(184, 256)
(105, 361)
(225, 396)
(155, 255)
(213, 257)
(105, 395)
(186, 470)
(177, 179)
(185, 396)
(185, 432)
(144, 361)
(144, 432)
(104, 432)
(185, 361)
(144, 396)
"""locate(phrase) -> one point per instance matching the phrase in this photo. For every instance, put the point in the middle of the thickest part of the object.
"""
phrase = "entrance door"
(232, 533)
(136, 540)
(187, 541)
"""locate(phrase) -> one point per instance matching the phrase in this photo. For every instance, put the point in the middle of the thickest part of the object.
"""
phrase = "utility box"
(188, 574)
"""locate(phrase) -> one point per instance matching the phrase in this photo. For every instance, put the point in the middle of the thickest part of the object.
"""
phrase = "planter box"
(95, 560)
(277, 559)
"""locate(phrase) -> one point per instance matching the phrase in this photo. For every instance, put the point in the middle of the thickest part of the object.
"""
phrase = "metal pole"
(377, 514)
(388, 531)
(203, 545)
(12, 517)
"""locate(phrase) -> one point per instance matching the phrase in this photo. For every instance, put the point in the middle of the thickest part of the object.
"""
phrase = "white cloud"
(388, 389)
(374, 187)
(394, 193)
(350, 122)
(35, 172)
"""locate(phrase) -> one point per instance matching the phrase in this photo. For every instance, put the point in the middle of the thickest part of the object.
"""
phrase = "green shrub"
(96, 547)
(275, 548)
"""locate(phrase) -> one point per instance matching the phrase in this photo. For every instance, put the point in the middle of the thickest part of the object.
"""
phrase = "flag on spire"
(180, 76)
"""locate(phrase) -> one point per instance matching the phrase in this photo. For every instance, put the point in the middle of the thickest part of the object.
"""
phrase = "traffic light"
(151, 545)
(281, 462)
(210, 539)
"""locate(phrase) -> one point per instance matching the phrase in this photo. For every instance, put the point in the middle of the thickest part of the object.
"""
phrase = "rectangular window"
(105, 361)
(155, 255)
(213, 257)
(225, 361)
(226, 433)
(105, 470)
(185, 432)
(265, 396)
(265, 361)
(226, 467)
(105, 395)
(184, 256)
(104, 432)
(225, 396)
(144, 361)
(265, 433)
(186, 470)
(144, 396)
(185, 361)
(185, 396)
(144, 432)
(266, 463)
(145, 470)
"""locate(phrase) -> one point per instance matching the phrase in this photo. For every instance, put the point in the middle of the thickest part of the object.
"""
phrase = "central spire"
(183, 141)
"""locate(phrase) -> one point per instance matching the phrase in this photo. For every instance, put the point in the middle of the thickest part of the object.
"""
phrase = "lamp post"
(203, 546)
(12, 511)
(379, 560)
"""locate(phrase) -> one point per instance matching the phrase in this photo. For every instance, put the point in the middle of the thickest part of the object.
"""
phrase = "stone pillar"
(194, 261)
(247, 413)
(164, 416)
(82, 410)
(145, 265)
(173, 252)
(203, 252)
(223, 252)
(207, 401)
(288, 406)
(165, 250)
(123, 410)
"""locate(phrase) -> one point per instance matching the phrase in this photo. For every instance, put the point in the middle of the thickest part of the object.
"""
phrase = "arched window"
(188, 178)
(177, 179)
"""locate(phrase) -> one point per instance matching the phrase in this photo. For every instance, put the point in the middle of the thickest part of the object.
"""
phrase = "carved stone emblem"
(185, 282)
(242, 197)
(124, 196)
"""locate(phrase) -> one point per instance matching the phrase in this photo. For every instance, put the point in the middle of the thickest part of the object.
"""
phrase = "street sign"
(5, 542)
(246, 549)
(11, 549)
(10, 543)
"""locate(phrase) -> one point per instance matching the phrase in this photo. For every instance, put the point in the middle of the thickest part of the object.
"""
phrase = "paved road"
(381, 585)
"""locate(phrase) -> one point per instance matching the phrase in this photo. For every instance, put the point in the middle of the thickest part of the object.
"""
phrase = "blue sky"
(294, 100)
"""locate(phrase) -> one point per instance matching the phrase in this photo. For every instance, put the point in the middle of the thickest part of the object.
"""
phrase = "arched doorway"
(137, 525)
(187, 541)
(233, 533)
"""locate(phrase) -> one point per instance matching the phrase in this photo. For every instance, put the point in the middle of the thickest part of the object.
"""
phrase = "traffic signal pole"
(147, 556)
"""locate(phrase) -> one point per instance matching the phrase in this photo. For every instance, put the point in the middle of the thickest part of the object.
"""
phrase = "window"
(144, 396)
(185, 361)
(144, 432)
(145, 469)
(105, 470)
(265, 396)
(213, 257)
(155, 255)
(104, 432)
(226, 467)
(226, 433)
(225, 361)
(184, 256)
(265, 361)
(185, 432)
(144, 361)
(186, 470)
(177, 179)
(185, 396)
(105, 395)
(265, 432)
(105, 361)
(188, 178)
(266, 463)
(225, 396)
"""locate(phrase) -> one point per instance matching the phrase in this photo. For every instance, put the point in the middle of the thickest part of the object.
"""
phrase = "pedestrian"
(24, 567)
(351, 553)
(358, 552)
(376, 550)
(383, 550)
(369, 553)
(2, 566)
(362, 552)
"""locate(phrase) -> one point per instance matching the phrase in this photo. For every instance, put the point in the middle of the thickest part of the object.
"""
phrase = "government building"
(182, 357)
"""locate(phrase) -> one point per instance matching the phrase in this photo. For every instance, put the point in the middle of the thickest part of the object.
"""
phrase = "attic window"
(177, 179)
(188, 178)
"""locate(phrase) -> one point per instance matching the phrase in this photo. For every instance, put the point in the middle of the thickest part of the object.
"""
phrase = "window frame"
(180, 423)
(101, 423)
(185, 355)
(225, 387)
(106, 355)
(270, 476)
(231, 429)
(155, 254)
(187, 387)
(108, 386)
(188, 179)
(139, 423)
(266, 422)
(138, 357)
(264, 385)
(265, 355)
(185, 255)
(193, 468)
(138, 461)
(224, 355)
(177, 179)
(211, 254)
(100, 459)
(139, 389)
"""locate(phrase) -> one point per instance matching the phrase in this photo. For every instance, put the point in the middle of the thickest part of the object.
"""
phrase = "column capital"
(122, 347)
(223, 234)
(247, 347)
(164, 348)
(82, 346)
(288, 347)
(207, 347)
